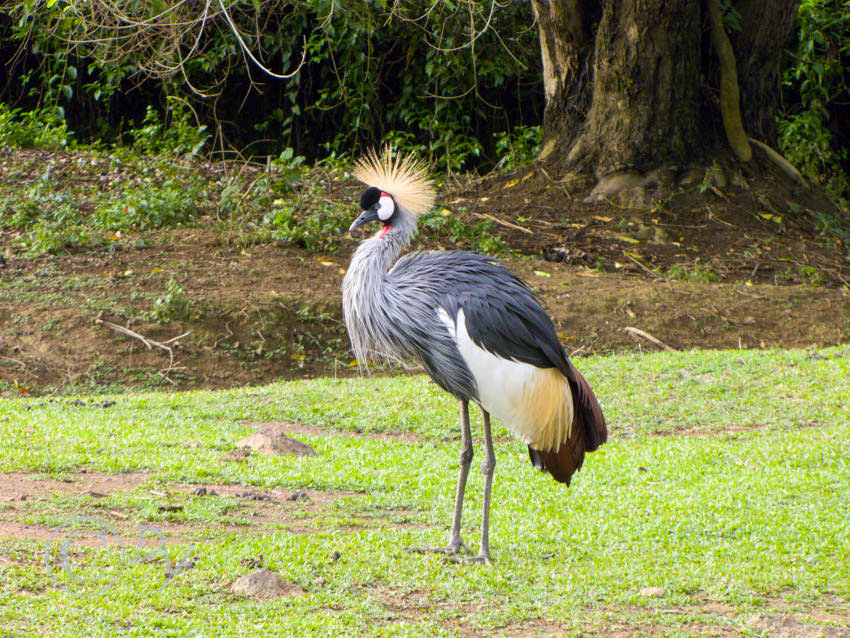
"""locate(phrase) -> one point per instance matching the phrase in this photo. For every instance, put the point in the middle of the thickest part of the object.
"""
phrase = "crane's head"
(399, 190)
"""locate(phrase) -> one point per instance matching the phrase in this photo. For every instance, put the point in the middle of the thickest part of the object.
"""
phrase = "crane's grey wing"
(504, 317)
(410, 322)
(503, 314)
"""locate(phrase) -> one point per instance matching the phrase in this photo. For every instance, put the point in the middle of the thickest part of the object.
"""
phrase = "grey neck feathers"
(364, 301)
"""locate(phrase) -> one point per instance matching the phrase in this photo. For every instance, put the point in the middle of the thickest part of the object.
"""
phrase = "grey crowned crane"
(477, 329)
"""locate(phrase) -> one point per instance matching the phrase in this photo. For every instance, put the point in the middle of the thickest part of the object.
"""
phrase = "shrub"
(39, 127)
(148, 207)
(815, 129)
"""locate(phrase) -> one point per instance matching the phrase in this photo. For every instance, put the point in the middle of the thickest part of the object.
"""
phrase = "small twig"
(637, 261)
(719, 193)
(13, 360)
(578, 351)
(124, 331)
(648, 337)
(715, 217)
(504, 223)
(165, 376)
(175, 339)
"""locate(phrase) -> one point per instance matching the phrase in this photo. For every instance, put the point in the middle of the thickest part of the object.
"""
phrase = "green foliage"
(291, 169)
(175, 304)
(61, 211)
(814, 130)
(147, 207)
(456, 227)
(43, 218)
(698, 272)
(731, 17)
(40, 127)
(307, 220)
(182, 136)
(518, 147)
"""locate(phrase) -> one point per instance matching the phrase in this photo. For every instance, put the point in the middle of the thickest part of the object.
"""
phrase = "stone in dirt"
(264, 584)
(254, 496)
(271, 439)
(652, 592)
(239, 455)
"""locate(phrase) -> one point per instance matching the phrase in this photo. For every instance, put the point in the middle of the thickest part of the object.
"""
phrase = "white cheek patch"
(386, 208)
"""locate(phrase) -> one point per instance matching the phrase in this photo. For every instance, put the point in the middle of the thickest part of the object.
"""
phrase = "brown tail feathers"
(588, 433)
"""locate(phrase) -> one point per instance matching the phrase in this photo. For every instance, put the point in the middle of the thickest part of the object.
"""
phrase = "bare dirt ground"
(268, 509)
(746, 268)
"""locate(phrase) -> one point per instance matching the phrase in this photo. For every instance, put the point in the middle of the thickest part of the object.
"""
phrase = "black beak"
(368, 215)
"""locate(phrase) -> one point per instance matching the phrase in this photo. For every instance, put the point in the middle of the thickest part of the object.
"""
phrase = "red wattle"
(384, 230)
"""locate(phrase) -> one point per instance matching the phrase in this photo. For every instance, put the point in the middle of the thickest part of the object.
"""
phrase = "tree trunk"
(566, 47)
(632, 85)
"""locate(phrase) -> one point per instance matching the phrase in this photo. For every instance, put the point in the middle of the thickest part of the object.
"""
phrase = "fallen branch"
(504, 223)
(149, 343)
(648, 337)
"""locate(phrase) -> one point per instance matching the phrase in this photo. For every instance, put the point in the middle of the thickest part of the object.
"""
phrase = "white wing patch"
(534, 403)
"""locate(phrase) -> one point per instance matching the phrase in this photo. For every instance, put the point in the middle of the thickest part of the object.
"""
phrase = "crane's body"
(478, 331)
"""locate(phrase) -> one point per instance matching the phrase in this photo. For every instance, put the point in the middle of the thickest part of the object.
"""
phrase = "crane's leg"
(455, 542)
(488, 468)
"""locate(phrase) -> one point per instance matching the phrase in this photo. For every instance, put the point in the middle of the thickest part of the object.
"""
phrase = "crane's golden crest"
(404, 177)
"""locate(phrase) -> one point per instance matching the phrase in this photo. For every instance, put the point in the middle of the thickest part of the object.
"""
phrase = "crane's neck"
(374, 257)
(363, 291)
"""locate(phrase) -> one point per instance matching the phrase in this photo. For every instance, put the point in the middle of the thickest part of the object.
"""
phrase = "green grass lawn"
(724, 482)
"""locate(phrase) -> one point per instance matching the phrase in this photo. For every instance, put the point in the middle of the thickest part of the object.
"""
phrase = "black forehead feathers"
(370, 197)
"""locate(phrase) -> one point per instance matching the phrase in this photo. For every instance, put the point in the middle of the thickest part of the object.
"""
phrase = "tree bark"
(632, 85)
(766, 29)
(566, 48)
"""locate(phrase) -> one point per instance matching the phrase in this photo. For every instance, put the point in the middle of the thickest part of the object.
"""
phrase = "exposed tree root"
(632, 189)
(730, 103)
(784, 165)
(614, 184)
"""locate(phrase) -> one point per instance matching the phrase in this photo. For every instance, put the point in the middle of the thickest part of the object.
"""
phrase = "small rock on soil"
(264, 584)
(270, 439)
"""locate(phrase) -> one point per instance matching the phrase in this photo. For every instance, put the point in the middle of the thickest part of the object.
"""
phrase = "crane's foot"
(452, 549)
(484, 559)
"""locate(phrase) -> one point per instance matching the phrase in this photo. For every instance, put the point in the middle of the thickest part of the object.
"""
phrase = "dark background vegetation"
(366, 78)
